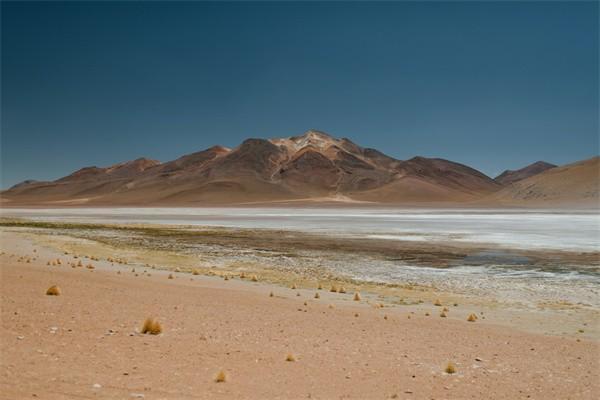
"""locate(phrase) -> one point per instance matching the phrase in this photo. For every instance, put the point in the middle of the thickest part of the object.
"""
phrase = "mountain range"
(313, 167)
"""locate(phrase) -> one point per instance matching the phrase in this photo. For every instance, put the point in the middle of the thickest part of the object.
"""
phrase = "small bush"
(450, 368)
(151, 326)
(221, 377)
(53, 291)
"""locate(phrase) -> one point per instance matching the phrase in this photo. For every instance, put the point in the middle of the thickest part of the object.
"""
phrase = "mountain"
(576, 184)
(509, 176)
(312, 167)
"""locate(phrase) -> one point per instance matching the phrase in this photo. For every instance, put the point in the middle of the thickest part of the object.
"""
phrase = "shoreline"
(57, 347)
(228, 256)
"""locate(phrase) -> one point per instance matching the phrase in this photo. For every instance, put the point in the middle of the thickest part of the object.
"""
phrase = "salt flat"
(527, 229)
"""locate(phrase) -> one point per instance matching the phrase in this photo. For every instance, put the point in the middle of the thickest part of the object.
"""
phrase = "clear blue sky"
(494, 85)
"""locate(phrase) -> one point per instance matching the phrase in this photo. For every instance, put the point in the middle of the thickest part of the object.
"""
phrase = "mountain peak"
(512, 176)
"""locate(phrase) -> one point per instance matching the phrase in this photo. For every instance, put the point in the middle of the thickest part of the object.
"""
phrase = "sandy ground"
(86, 342)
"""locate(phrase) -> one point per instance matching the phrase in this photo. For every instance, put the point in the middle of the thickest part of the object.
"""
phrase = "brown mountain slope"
(576, 184)
(509, 176)
(310, 166)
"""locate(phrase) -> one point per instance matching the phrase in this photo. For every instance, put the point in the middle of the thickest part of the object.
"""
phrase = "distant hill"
(576, 184)
(312, 167)
(509, 176)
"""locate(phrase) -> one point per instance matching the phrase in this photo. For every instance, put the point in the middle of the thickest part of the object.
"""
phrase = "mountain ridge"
(314, 166)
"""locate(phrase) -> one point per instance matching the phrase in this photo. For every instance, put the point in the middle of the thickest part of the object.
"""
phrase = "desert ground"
(269, 339)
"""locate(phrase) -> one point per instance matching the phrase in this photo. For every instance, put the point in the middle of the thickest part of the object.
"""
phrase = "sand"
(86, 343)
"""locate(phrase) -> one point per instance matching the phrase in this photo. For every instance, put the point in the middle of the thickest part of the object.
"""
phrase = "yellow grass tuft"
(293, 286)
(171, 276)
(53, 291)
(356, 296)
(472, 318)
(445, 309)
(317, 296)
(177, 269)
(290, 357)
(443, 314)
(333, 289)
(195, 272)
(151, 326)
(342, 290)
(90, 266)
(437, 303)
(221, 377)
(254, 278)
(242, 275)
(450, 368)
(320, 287)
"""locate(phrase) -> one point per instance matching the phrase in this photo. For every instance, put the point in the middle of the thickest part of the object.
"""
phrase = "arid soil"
(86, 343)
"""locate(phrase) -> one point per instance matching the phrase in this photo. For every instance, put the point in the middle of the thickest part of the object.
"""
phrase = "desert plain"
(243, 330)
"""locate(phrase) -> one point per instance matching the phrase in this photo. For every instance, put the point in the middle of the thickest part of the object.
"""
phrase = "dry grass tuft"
(226, 278)
(317, 296)
(472, 318)
(437, 303)
(320, 287)
(331, 306)
(356, 296)
(195, 272)
(443, 314)
(171, 276)
(254, 278)
(80, 264)
(177, 269)
(242, 275)
(221, 377)
(445, 309)
(293, 286)
(151, 326)
(450, 368)
(53, 291)
(333, 289)
(290, 357)
(90, 266)
(342, 290)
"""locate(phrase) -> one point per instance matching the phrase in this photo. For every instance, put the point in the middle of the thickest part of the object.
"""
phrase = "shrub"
(53, 291)
(151, 326)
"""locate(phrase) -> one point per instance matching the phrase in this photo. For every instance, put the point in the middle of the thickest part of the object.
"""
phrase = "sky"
(494, 85)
